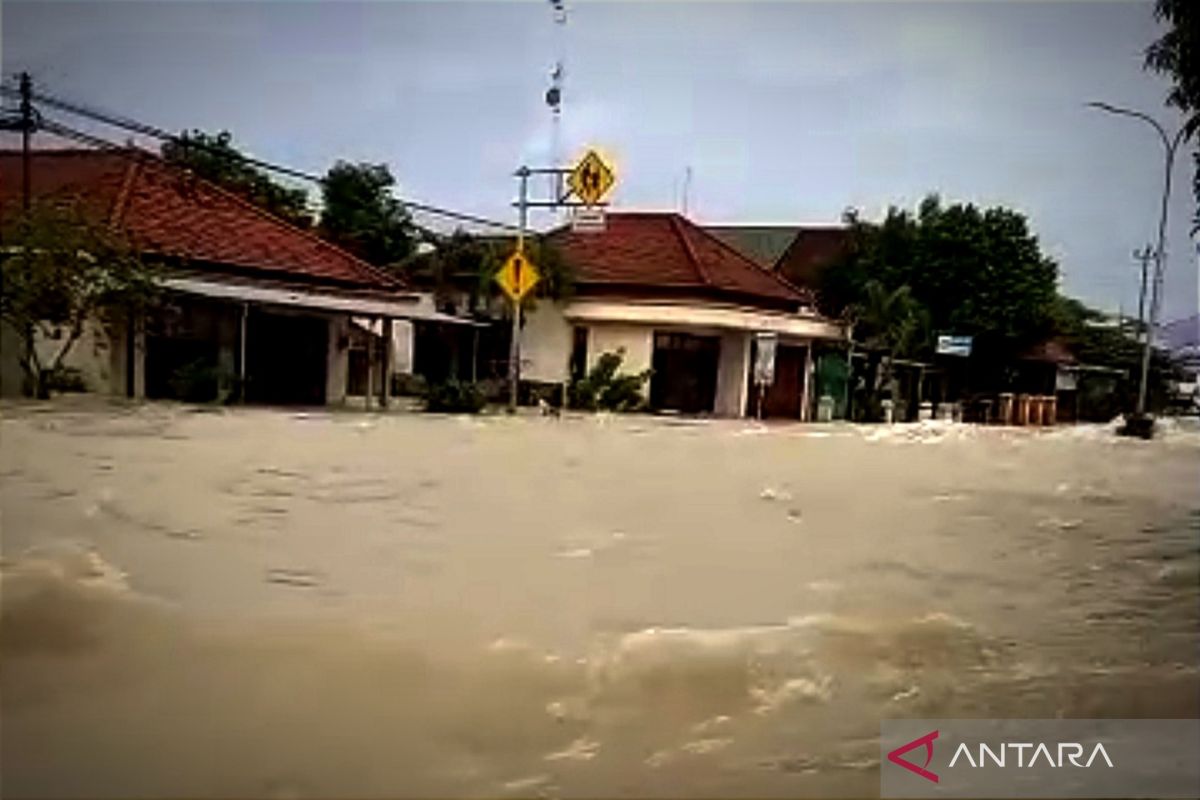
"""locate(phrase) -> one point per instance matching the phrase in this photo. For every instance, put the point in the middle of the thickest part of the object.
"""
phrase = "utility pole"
(514, 347)
(1145, 255)
(26, 134)
(1170, 145)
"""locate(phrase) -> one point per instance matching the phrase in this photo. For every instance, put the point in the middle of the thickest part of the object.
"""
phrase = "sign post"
(764, 364)
(590, 180)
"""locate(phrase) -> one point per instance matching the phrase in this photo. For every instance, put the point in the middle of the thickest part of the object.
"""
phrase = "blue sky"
(785, 111)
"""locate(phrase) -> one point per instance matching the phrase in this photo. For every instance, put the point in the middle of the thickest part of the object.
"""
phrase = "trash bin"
(1035, 410)
(925, 411)
(888, 413)
(1022, 414)
(825, 408)
(1005, 412)
(1050, 412)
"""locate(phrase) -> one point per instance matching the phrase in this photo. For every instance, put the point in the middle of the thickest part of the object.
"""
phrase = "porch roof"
(733, 317)
(397, 306)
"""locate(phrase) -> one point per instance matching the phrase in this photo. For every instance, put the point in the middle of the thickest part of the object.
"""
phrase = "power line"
(152, 131)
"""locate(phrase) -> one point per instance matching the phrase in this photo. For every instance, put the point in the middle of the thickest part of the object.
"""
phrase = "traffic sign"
(588, 220)
(592, 178)
(518, 276)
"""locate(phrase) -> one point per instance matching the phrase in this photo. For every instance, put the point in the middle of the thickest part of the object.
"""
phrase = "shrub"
(603, 389)
(64, 379)
(196, 382)
(455, 397)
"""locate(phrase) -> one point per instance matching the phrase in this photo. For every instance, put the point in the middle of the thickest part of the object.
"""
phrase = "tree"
(360, 214)
(214, 158)
(1177, 54)
(62, 271)
(970, 272)
(890, 324)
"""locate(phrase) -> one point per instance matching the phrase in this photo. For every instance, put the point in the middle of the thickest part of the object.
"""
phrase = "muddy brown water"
(267, 603)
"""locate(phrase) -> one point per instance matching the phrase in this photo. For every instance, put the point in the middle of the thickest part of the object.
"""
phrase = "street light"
(1160, 254)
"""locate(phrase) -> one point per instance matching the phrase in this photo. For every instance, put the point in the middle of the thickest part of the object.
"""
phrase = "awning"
(708, 316)
(406, 306)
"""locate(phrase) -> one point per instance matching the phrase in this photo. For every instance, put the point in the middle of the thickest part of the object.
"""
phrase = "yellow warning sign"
(518, 276)
(592, 178)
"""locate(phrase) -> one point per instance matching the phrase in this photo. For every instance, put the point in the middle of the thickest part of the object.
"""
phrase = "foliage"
(360, 214)
(604, 389)
(455, 397)
(198, 381)
(970, 272)
(61, 271)
(65, 379)
(1177, 54)
(214, 158)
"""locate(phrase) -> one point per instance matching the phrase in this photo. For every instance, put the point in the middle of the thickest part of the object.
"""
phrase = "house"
(797, 253)
(682, 302)
(253, 305)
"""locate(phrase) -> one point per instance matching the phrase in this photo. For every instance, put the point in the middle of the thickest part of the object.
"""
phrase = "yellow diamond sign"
(518, 276)
(592, 178)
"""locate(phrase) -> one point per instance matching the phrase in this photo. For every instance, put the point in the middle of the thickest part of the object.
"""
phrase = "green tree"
(970, 271)
(214, 158)
(1176, 54)
(890, 324)
(62, 271)
(360, 214)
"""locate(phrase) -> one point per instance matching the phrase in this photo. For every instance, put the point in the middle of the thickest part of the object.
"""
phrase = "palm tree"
(889, 323)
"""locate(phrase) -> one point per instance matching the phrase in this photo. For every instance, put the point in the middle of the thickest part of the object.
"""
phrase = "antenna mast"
(554, 95)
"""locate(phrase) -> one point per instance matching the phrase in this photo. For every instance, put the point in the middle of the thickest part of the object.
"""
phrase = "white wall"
(637, 340)
(733, 374)
(91, 354)
(545, 344)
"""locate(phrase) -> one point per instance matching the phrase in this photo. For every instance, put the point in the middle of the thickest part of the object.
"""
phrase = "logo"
(927, 740)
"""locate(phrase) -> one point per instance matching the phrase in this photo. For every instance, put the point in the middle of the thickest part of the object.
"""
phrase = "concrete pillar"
(806, 387)
(137, 357)
(388, 353)
(337, 363)
(733, 374)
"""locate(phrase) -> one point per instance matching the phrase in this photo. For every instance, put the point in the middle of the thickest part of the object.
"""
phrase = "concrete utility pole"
(1170, 145)
(514, 347)
(1145, 255)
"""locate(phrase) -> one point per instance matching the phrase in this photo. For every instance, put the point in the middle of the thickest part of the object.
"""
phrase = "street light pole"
(1170, 145)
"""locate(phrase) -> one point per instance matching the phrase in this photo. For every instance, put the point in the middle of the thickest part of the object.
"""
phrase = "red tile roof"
(813, 249)
(665, 251)
(168, 211)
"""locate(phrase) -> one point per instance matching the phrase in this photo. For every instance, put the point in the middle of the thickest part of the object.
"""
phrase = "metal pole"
(1160, 255)
(514, 348)
(26, 133)
(1144, 255)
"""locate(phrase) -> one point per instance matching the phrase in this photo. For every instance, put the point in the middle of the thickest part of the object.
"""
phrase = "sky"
(785, 112)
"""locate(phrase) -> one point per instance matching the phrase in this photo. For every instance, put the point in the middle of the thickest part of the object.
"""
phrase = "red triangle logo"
(927, 741)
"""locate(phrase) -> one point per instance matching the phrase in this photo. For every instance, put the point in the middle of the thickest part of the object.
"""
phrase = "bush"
(196, 382)
(64, 379)
(602, 389)
(455, 397)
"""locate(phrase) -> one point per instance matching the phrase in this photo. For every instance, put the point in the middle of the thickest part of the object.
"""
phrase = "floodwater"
(257, 602)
